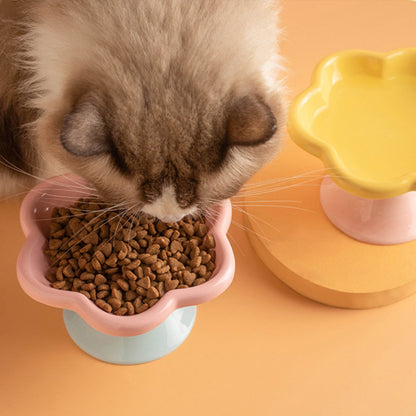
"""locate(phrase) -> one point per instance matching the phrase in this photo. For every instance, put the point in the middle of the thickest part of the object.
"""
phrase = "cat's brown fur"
(142, 96)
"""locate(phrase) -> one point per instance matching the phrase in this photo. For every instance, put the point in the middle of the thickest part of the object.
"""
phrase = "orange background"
(260, 348)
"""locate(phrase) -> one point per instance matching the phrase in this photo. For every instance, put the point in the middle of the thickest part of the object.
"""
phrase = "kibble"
(125, 264)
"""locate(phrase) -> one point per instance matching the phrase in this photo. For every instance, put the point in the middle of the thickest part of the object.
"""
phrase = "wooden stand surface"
(304, 250)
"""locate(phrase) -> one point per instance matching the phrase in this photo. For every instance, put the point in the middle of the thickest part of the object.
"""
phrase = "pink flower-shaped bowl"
(32, 264)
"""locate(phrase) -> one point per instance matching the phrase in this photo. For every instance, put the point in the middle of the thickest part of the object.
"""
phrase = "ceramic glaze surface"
(374, 221)
(138, 349)
(359, 116)
(32, 264)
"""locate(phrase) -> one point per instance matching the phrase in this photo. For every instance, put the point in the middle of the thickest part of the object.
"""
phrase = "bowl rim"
(34, 283)
(339, 172)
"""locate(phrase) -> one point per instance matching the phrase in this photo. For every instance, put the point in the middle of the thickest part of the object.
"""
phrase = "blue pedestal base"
(139, 349)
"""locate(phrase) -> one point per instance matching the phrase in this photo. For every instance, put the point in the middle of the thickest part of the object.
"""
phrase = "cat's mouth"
(166, 213)
(170, 218)
(166, 207)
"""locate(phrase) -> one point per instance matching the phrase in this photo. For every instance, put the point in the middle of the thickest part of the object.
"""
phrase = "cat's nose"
(170, 218)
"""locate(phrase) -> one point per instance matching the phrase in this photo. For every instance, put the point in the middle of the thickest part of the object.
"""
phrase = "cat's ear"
(250, 122)
(84, 131)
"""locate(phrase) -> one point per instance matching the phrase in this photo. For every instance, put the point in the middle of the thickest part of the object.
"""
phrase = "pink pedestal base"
(374, 221)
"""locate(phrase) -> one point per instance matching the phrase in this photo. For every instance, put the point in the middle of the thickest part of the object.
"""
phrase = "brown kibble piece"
(103, 305)
(195, 262)
(68, 271)
(100, 279)
(99, 255)
(116, 293)
(115, 303)
(85, 293)
(175, 265)
(103, 286)
(86, 248)
(77, 283)
(130, 295)
(200, 270)
(102, 294)
(82, 262)
(189, 229)
(137, 303)
(182, 286)
(144, 283)
(171, 284)
(150, 259)
(58, 284)
(201, 230)
(112, 260)
(141, 291)
(164, 276)
(152, 302)
(188, 277)
(153, 249)
(54, 244)
(130, 275)
(209, 242)
(199, 281)
(130, 308)
(175, 246)
(87, 276)
(106, 249)
(205, 258)
(91, 238)
(96, 265)
(143, 307)
(123, 284)
(122, 311)
(88, 286)
(152, 293)
(162, 241)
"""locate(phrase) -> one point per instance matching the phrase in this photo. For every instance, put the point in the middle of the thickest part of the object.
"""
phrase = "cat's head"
(170, 131)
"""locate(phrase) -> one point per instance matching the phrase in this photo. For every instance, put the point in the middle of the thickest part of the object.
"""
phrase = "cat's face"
(168, 162)
(165, 108)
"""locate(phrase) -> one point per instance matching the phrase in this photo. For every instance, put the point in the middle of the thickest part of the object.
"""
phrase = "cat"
(169, 105)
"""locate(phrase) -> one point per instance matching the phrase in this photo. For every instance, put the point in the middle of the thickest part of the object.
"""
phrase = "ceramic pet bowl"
(358, 116)
(116, 339)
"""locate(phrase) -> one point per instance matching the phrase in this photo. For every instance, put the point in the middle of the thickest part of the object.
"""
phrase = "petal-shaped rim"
(339, 172)
(32, 264)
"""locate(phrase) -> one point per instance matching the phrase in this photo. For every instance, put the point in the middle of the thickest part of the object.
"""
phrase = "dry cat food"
(125, 264)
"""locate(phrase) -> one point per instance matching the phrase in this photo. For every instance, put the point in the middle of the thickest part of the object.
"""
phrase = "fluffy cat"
(170, 105)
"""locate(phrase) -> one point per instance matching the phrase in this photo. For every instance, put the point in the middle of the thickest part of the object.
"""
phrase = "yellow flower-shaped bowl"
(359, 117)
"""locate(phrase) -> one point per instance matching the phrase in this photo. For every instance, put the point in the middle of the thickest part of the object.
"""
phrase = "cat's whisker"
(82, 213)
(268, 188)
(274, 206)
(317, 173)
(246, 229)
(208, 213)
(121, 217)
(235, 242)
(313, 173)
(257, 218)
(265, 201)
(7, 198)
(83, 228)
(79, 187)
(281, 188)
(79, 184)
(133, 210)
